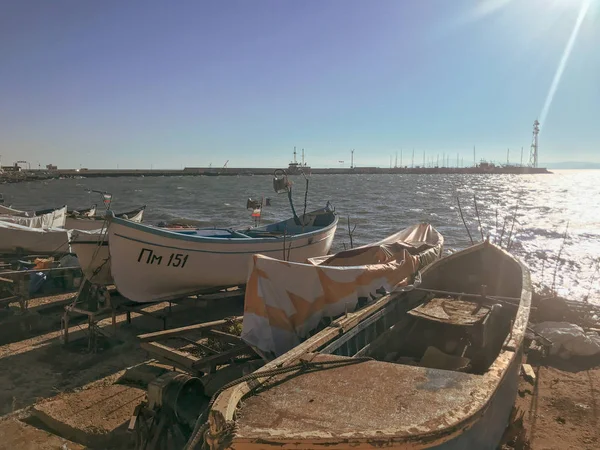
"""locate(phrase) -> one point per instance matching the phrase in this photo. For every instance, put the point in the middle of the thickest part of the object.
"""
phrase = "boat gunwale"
(224, 408)
(216, 240)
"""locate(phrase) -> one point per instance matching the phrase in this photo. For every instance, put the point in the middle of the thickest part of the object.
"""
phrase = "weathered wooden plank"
(7, 300)
(227, 337)
(220, 358)
(156, 335)
(199, 345)
(170, 354)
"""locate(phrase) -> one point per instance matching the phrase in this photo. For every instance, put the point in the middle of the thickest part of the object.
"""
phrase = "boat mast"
(521, 156)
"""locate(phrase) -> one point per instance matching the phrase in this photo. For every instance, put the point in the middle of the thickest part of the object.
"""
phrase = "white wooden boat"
(287, 301)
(91, 248)
(436, 367)
(149, 264)
(15, 238)
(93, 222)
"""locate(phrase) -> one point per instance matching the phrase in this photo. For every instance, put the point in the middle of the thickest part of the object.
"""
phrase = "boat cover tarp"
(285, 301)
(54, 219)
(417, 239)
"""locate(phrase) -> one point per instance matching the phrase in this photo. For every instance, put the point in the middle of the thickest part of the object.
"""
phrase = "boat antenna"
(478, 217)
(509, 242)
(463, 220)
(351, 233)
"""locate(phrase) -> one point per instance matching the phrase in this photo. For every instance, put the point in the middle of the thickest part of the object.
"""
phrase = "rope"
(301, 367)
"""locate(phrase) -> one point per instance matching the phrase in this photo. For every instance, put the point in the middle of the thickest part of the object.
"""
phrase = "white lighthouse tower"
(533, 156)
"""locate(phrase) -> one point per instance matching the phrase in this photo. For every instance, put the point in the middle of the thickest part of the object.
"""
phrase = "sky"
(159, 84)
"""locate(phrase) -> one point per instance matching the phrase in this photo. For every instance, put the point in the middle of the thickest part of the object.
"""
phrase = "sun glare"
(584, 8)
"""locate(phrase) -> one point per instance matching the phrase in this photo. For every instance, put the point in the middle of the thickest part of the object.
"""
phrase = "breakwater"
(32, 175)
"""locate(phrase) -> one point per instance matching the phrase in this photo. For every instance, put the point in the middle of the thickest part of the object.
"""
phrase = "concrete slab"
(95, 417)
(18, 435)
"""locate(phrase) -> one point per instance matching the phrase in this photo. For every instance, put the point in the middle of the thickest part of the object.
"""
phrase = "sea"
(552, 220)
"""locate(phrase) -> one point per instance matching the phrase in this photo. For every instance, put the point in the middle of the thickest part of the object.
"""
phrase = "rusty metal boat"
(436, 367)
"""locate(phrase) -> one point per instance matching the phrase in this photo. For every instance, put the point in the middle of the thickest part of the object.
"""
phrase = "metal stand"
(88, 295)
(17, 283)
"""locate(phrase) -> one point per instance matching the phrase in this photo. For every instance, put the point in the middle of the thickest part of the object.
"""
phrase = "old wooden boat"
(286, 301)
(436, 367)
(94, 222)
(149, 264)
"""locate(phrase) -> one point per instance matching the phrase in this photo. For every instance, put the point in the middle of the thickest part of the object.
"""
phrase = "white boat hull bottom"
(16, 238)
(94, 260)
(149, 267)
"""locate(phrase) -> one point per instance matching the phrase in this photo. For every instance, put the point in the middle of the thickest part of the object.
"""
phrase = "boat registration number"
(148, 256)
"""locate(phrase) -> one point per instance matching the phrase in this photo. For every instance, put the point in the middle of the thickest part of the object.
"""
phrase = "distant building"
(51, 167)
(13, 168)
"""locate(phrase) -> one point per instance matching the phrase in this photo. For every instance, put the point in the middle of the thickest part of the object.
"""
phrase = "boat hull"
(92, 252)
(150, 265)
(16, 238)
(487, 431)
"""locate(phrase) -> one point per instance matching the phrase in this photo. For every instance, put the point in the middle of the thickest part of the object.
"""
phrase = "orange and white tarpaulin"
(286, 300)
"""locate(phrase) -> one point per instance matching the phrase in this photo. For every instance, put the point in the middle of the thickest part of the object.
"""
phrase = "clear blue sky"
(141, 83)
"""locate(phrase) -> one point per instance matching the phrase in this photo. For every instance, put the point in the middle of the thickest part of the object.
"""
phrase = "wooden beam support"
(227, 337)
(181, 359)
(211, 361)
(157, 335)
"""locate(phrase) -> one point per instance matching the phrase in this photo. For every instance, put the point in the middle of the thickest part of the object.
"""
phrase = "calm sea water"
(380, 205)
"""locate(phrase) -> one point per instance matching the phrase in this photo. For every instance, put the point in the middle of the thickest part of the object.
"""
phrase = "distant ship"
(295, 168)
